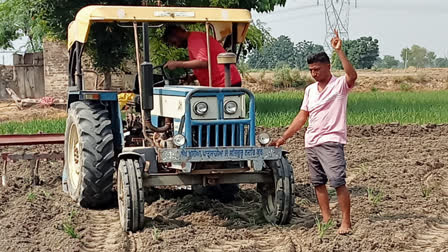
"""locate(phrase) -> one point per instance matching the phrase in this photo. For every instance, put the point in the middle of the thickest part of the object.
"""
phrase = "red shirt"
(197, 50)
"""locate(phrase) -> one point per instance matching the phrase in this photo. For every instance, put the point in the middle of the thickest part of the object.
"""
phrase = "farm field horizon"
(278, 109)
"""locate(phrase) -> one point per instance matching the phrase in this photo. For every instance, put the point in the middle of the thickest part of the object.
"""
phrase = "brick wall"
(55, 69)
(56, 72)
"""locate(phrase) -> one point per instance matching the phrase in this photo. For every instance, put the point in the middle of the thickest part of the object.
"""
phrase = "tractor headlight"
(179, 140)
(264, 138)
(230, 107)
(200, 108)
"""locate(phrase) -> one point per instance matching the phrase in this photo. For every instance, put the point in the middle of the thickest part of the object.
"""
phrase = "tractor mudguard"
(144, 154)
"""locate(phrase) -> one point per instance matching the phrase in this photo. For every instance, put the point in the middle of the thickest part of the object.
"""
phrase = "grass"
(363, 169)
(156, 234)
(323, 227)
(70, 230)
(68, 226)
(374, 196)
(279, 109)
(33, 127)
(426, 191)
(31, 196)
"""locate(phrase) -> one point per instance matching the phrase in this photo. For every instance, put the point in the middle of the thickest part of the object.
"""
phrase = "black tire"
(278, 197)
(89, 163)
(131, 198)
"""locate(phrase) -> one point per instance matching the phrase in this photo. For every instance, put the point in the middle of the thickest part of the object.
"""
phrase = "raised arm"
(350, 72)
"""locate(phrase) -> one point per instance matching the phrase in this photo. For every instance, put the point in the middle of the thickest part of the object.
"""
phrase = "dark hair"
(321, 57)
(170, 30)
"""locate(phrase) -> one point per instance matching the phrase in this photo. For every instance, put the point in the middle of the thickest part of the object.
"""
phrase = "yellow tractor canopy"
(220, 19)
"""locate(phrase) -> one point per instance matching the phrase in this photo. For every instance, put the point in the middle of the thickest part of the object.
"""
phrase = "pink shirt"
(327, 121)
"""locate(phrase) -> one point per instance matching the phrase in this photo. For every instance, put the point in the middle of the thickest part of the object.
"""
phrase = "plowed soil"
(405, 166)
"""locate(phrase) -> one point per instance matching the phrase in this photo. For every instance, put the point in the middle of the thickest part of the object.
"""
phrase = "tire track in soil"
(261, 241)
(104, 233)
(435, 238)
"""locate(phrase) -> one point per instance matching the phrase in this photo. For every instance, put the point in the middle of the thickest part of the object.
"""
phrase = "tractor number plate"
(219, 154)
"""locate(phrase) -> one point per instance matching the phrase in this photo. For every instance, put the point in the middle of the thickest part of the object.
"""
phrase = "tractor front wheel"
(131, 197)
(278, 197)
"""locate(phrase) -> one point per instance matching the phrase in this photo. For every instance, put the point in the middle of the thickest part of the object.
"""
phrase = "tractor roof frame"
(221, 19)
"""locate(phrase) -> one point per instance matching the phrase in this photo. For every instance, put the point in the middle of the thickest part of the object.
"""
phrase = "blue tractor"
(181, 135)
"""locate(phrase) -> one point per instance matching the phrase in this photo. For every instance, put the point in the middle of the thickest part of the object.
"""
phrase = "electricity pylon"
(337, 16)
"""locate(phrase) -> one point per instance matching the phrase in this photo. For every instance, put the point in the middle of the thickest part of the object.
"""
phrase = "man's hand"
(171, 65)
(336, 42)
(350, 72)
(277, 143)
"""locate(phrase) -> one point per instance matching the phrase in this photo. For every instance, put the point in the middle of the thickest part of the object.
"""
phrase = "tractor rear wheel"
(131, 197)
(278, 197)
(89, 154)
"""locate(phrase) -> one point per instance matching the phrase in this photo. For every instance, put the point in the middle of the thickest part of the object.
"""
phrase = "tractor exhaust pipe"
(147, 88)
(227, 59)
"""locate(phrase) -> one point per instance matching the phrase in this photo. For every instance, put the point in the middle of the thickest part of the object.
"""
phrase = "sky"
(395, 23)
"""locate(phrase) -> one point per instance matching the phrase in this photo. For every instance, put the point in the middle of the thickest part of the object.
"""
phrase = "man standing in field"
(324, 107)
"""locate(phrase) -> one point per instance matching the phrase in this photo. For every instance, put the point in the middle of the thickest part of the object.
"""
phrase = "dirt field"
(407, 165)
(10, 112)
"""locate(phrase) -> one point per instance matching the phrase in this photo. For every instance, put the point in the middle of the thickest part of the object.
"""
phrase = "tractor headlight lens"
(200, 108)
(264, 138)
(179, 140)
(230, 107)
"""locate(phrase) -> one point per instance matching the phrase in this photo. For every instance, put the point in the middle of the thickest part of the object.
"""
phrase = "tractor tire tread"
(98, 153)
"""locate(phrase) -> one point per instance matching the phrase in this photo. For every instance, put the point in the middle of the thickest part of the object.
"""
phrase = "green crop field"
(278, 110)
(33, 127)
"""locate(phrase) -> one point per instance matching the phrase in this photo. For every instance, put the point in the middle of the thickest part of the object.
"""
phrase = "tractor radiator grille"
(215, 135)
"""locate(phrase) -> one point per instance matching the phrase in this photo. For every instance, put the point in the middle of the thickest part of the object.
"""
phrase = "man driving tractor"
(196, 43)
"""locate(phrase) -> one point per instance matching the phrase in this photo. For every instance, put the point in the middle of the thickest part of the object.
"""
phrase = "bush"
(286, 77)
(405, 87)
(297, 79)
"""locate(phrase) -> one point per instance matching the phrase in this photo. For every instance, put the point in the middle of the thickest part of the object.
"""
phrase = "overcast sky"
(395, 23)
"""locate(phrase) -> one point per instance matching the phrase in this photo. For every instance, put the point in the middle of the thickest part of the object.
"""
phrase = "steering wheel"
(160, 79)
(168, 76)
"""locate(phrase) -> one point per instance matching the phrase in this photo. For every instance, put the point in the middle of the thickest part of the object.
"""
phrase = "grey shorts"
(327, 163)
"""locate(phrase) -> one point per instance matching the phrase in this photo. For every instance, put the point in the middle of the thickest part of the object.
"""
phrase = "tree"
(390, 61)
(281, 51)
(418, 56)
(304, 50)
(19, 19)
(441, 62)
(109, 45)
(362, 53)
(258, 36)
(387, 62)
